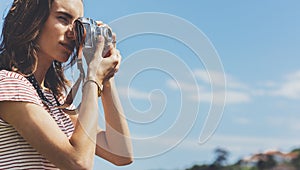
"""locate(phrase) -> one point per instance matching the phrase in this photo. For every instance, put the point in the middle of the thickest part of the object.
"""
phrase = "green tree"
(266, 164)
(221, 157)
(199, 167)
(296, 161)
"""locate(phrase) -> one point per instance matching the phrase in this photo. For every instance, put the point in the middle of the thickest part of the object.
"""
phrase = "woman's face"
(56, 39)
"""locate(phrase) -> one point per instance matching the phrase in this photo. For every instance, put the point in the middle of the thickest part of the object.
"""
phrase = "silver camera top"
(93, 31)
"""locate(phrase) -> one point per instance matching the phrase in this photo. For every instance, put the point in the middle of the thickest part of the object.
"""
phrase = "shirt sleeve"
(14, 87)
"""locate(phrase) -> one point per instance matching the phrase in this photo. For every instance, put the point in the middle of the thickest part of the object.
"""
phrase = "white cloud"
(207, 76)
(133, 93)
(237, 97)
(236, 92)
(232, 97)
(290, 88)
(242, 120)
(290, 123)
(184, 86)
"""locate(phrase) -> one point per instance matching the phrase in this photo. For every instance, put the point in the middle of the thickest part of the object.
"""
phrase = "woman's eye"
(63, 19)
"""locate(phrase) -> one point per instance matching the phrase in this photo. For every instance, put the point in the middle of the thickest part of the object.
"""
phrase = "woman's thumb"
(99, 45)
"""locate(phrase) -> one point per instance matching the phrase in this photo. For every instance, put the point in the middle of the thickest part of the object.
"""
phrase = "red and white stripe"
(15, 152)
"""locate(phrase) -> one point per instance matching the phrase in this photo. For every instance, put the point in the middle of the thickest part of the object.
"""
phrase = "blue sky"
(166, 86)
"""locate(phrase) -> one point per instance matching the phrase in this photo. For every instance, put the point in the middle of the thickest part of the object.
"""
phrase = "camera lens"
(106, 32)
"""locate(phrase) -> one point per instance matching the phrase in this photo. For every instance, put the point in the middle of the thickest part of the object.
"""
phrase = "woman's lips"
(68, 47)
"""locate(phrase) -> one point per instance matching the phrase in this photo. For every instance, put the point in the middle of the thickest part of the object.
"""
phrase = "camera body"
(92, 31)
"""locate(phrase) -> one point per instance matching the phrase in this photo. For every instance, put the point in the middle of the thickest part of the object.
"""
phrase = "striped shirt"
(15, 151)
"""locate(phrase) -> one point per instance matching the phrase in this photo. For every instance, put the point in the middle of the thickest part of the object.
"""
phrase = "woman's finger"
(114, 42)
(99, 23)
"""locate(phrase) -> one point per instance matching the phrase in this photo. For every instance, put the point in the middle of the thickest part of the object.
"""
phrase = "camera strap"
(80, 34)
(39, 91)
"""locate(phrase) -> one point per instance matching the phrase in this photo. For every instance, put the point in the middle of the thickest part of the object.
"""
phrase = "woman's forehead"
(72, 7)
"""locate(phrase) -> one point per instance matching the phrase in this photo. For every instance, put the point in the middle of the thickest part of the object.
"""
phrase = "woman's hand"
(109, 64)
(102, 66)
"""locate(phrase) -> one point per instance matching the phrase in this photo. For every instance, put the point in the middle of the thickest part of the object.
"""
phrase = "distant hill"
(268, 160)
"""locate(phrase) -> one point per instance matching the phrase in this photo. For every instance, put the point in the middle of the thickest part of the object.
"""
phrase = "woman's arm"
(39, 129)
(114, 144)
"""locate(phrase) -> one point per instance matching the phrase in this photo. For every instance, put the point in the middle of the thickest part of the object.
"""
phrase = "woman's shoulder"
(15, 87)
(13, 81)
(5, 74)
(13, 78)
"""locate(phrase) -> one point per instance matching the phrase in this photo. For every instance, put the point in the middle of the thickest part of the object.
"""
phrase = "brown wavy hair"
(18, 49)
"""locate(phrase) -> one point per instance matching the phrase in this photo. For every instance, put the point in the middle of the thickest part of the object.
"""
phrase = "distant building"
(278, 156)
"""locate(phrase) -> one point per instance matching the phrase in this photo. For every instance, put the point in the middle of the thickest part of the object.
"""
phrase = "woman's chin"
(63, 58)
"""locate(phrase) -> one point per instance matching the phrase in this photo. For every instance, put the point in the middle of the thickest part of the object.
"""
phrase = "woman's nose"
(70, 32)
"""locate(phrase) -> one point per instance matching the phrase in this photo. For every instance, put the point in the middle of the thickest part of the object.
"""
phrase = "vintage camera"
(88, 28)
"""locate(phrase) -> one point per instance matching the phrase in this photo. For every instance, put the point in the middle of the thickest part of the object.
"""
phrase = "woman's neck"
(41, 70)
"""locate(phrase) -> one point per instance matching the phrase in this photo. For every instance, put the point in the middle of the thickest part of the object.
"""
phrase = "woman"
(37, 37)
